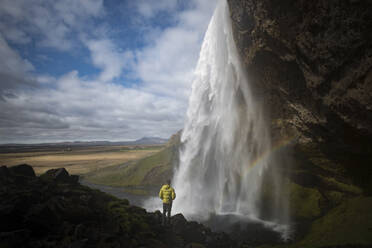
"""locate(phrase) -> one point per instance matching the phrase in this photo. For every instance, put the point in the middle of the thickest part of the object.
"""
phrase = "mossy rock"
(348, 224)
(304, 202)
(331, 182)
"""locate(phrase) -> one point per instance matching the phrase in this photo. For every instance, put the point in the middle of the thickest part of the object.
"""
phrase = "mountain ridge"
(146, 140)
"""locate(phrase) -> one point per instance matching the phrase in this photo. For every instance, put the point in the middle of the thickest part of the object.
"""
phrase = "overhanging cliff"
(311, 64)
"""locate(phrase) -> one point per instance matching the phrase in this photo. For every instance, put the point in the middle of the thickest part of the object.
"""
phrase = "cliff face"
(311, 64)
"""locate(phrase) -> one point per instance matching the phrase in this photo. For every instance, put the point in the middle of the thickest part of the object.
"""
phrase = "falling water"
(226, 140)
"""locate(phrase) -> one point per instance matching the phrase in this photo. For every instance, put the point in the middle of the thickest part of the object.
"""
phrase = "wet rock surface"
(310, 62)
(53, 210)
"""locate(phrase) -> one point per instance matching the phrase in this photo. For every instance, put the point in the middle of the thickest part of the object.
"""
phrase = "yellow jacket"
(167, 193)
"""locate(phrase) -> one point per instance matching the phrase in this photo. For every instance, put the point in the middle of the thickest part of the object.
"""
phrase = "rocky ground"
(54, 210)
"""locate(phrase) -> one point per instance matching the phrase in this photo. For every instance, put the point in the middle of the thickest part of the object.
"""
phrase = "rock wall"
(310, 62)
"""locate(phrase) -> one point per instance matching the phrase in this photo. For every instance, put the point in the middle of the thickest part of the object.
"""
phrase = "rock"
(72, 215)
(15, 238)
(58, 175)
(156, 217)
(219, 240)
(4, 172)
(178, 222)
(311, 64)
(74, 179)
(194, 245)
(194, 232)
(189, 231)
(39, 219)
(9, 217)
(22, 170)
(79, 231)
(79, 244)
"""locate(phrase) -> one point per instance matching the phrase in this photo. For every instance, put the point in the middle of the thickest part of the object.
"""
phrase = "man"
(167, 194)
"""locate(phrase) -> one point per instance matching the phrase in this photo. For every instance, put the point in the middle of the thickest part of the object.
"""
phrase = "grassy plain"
(77, 160)
(150, 170)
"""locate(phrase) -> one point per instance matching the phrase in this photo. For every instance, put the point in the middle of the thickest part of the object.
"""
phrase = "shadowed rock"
(22, 170)
(49, 211)
(60, 175)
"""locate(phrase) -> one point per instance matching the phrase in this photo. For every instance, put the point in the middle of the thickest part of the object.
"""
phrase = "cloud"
(97, 107)
(14, 71)
(166, 65)
(106, 56)
(48, 23)
(148, 9)
(88, 110)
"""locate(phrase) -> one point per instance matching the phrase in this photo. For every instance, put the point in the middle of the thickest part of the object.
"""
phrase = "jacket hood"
(166, 186)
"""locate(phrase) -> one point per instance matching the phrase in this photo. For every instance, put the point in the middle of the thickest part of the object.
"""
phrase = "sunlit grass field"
(77, 160)
(151, 170)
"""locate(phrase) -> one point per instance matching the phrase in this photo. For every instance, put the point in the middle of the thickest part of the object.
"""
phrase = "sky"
(97, 69)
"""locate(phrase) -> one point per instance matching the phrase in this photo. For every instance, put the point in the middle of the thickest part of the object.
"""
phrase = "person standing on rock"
(167, 194)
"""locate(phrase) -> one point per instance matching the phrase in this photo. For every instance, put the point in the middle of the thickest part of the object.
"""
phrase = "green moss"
(131, 219)
(334, 197)
(304, 202)
(343, 187)
(349, 223)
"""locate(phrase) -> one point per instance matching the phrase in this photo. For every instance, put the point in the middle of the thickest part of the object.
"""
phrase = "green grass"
(342, 187)
(349, 223)
(304, 202)
(152, 170)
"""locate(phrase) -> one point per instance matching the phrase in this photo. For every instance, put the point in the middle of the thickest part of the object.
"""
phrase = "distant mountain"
(141, 141)
(150, 141)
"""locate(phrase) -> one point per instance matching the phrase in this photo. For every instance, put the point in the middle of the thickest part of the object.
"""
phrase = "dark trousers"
(167, 207)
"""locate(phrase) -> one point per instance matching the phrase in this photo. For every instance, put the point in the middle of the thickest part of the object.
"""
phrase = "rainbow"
(276, 147)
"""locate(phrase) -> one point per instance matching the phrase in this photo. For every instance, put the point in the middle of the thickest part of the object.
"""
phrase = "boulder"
(4, 172)
(22, 170)
(179, 222)
(191, 232)
(59, 175)
(74, 178)
(15, 238)
(194, 245)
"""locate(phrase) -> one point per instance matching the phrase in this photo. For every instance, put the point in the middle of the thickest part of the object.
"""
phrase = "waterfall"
(226, 155)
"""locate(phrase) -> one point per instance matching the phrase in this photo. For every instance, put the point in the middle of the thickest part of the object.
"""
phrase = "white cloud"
(166, 65)
(12, 61)
(106, 56)
(88, 110)
(148, 9)
(71, 107)
(50, 23)
(15, 72)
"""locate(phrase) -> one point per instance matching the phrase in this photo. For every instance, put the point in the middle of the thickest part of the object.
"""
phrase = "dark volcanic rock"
(4, 172)
(310, 63)
(22, 170)
(60, 175)
(51, 211)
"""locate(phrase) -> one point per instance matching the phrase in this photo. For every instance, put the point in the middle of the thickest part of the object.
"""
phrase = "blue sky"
(97, 69)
